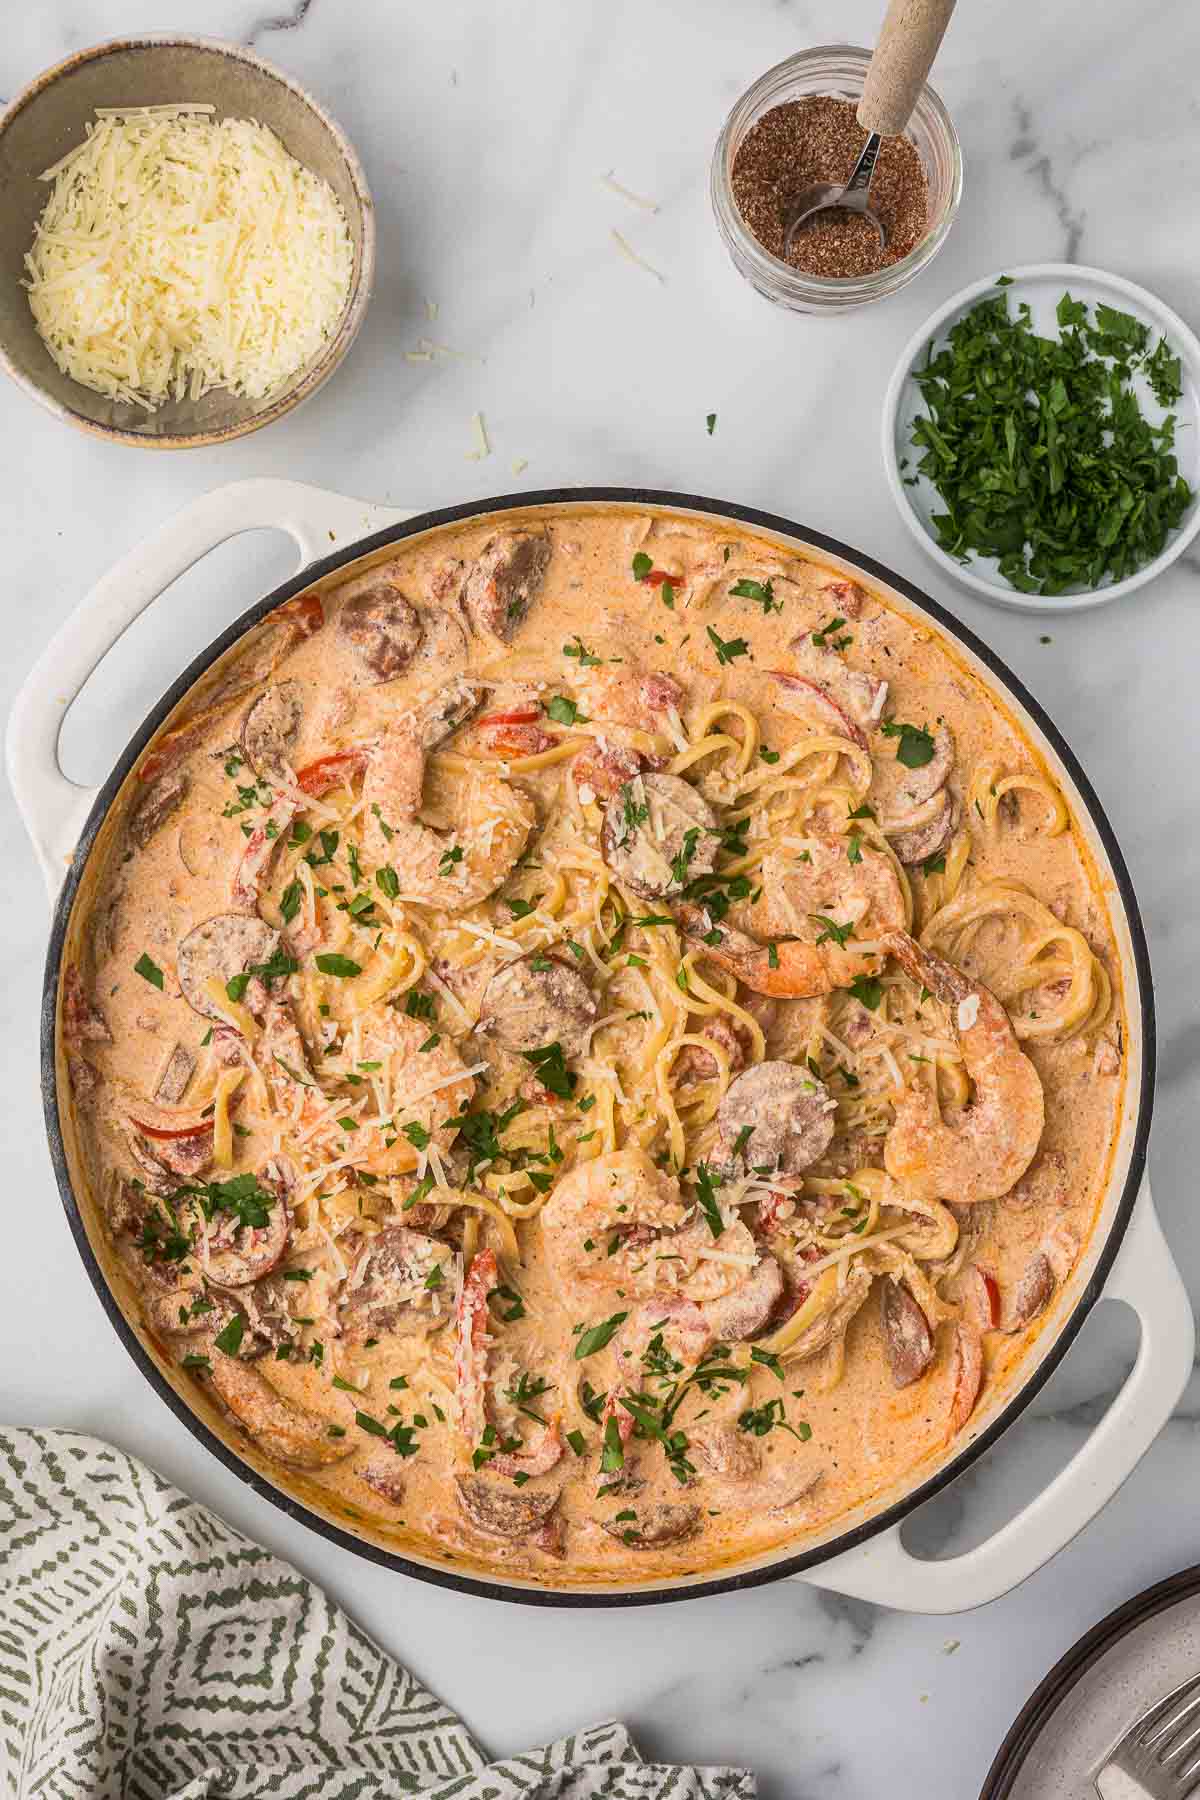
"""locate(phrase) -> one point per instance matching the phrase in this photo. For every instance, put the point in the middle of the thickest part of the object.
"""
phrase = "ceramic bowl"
(1041, 286)
(47, 120)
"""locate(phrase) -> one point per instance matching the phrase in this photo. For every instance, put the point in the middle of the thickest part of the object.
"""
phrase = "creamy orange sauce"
(487, 1054)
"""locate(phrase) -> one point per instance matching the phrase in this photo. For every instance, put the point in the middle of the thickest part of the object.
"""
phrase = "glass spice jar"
(840, 70)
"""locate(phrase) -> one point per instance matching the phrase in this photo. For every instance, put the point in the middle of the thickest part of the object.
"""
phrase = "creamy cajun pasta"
(599, 1042)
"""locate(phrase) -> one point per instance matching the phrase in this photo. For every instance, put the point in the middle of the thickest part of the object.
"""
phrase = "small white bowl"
(1041, 285)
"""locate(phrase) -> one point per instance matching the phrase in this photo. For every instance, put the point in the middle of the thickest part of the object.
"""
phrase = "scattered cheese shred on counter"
(627, 249)
(178, 253)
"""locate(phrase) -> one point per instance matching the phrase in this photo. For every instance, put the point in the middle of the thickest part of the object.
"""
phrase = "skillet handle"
(1145, 1277)
(53, 808)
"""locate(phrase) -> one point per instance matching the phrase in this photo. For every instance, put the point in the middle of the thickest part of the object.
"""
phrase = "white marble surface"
(484, 126)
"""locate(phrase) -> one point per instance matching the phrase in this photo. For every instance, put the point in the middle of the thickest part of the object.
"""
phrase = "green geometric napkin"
(150, 1652)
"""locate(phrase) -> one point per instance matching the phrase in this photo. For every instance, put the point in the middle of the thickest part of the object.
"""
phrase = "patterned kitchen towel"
(150, 1652)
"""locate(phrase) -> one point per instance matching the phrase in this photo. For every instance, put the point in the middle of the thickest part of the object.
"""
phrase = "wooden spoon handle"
(908, 41)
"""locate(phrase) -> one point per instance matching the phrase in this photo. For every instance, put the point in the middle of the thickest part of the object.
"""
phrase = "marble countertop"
(485, 127)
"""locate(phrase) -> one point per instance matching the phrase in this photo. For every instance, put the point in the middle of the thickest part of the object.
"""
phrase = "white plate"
(1042, 285)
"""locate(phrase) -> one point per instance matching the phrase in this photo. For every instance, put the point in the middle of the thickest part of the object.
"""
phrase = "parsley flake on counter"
(711, 423)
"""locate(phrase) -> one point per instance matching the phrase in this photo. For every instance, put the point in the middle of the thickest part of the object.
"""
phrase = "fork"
(1162, 1750)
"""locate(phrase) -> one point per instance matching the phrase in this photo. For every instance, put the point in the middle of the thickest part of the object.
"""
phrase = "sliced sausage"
(658, 835)
(82, 1020)
(774, 1116)
(184, 1154)
(388, 1291)
(907, 1337)
(222, 947)
(162, 798)
(503, 1511)
(236, 1255)
(268, 1308)
(283, 1430)
(270, 729)
(667, 1523)
(538, 1000)
(383, 629)
(504, 581)
(1034, 1292)
(966, 1377)
(744, 1311)
(177, 1072)
(724, 1450)
(917, 843)
(387, 1481)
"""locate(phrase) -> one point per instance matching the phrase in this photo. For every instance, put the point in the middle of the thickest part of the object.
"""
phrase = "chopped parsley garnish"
(680, 862)
(513, 1307)
(612, 1457)
(642, 565)
(577, 1442)
(868, 989)
(552, 1071)
(854, 847)
(707, 1183)
(480, 1132)
(762, 591)
(831, 931)
(597, 1336)
(768, 756)
(149, 971)
(431, 1043)
(278, 968)
(1039, 449)
(768, 1360)
(727, 648)
(521, 909)
(330, 962)
(417, 1135)
(915, 748)
(564, 711)
(934, 865)
(583, 656)
(436, 1277)
(761, 1419)
(711, 423)
(420, 1006)
(387, 881)
(449, 858)
(290, 901)
(824, 637)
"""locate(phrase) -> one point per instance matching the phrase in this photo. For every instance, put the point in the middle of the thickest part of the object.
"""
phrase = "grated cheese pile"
(177, 254)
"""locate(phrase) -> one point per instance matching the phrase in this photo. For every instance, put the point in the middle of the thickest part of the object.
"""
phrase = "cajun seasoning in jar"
(817, 139)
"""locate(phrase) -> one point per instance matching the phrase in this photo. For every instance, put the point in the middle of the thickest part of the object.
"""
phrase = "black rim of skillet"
(681, 1589)
(1070, 1669)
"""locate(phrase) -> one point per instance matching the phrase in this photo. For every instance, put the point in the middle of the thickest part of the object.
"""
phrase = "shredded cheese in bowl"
(178, 253)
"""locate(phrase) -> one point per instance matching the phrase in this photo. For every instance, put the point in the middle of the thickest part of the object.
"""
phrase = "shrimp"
(429, 1088)
(619, 1222)
(814, 903)
(452, 871)
(986, 1149)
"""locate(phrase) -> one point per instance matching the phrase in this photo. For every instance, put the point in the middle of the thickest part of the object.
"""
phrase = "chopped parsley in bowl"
(1040, 437)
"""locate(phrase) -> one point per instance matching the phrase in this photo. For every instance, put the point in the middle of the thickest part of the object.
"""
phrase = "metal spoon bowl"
(853, 197)
(908, 41)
